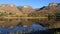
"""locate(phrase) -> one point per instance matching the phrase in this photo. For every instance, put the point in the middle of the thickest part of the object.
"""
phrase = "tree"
(34, 14)
(11, 13)
(51, 16)
(3, 13)
(57, 14)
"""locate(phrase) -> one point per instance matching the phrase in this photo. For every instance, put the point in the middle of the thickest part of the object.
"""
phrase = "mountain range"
(52, 11)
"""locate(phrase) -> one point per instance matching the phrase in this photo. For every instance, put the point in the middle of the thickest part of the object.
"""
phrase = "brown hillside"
(51, 9)
(10, 8)
(26, 9)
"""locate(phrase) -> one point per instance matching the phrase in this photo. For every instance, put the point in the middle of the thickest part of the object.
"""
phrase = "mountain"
(10, 8)
(52, 12)
(26, 9)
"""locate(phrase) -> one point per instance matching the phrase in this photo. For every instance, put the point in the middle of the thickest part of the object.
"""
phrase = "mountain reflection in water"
(33, 28)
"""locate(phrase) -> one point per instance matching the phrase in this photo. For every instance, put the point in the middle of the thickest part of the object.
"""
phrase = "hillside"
(26, 9)
(52, 14)
(52, 11)
(9, 10)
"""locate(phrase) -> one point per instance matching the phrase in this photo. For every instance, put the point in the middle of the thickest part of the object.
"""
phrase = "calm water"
(33, 28)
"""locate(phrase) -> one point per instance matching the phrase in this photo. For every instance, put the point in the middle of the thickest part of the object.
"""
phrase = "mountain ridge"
(51, 12)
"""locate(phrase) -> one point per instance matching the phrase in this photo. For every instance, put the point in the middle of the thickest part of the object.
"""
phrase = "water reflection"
(22, 26)
(33, 28)
(25, 22)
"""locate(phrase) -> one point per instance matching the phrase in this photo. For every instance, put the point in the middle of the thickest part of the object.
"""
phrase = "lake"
(23, 26)
(35, 28)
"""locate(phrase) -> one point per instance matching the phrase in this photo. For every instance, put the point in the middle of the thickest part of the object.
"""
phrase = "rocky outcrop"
(26, 9)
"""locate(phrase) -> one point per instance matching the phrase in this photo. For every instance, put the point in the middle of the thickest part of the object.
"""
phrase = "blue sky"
(33, 3)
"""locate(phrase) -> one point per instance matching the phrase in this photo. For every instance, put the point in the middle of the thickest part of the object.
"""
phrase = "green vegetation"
(3, 13)
(11, 13)
(57, 14)
(51, 17)
(34, 14)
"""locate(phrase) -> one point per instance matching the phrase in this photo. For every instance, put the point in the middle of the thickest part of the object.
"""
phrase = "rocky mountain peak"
(53, 4)
(27, 7)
